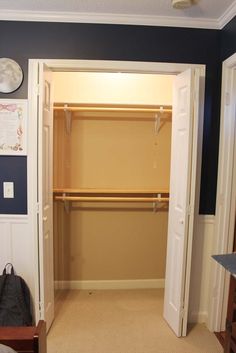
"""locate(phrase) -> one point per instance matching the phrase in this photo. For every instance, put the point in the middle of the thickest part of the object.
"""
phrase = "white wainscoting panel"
(17, 246)
(200, 271)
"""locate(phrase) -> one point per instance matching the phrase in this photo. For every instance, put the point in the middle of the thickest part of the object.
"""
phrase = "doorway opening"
(90, 126)
(112, 146)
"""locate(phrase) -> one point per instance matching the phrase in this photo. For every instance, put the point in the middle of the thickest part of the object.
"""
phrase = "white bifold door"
(45, 194)
(182, 197)
(182, 200)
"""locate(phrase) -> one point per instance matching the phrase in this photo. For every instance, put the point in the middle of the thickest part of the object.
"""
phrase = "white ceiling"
(204, 14)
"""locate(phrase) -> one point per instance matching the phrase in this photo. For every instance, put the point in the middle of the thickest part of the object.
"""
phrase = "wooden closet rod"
(111, 199)
(112, 109)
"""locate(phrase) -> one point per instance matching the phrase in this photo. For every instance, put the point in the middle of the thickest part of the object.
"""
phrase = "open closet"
(111, 161)
(111, 134)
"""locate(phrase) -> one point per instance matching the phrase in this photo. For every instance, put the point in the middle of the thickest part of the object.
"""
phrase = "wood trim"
(25, 339)
(229, 343)
(221, 337)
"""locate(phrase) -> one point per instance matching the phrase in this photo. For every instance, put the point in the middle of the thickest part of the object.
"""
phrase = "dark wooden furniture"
(24, 339)
(230, 334)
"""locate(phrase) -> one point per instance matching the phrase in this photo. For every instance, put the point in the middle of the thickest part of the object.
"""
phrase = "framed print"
(13, 124)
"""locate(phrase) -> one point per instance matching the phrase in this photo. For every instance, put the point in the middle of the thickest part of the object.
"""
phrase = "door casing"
(102, 66)
(225, 197)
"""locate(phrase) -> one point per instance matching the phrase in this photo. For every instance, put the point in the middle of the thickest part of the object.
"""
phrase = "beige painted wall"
(117, 88)
(118, 154)
(110, 241)
(110, 244)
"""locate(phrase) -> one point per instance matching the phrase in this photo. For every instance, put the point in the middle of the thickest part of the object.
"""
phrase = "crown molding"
(228, 15)
(106, 18)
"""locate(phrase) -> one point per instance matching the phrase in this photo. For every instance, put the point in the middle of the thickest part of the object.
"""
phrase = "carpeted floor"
(124, 321)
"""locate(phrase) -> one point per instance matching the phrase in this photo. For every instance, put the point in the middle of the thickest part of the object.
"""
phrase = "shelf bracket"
(156, 204)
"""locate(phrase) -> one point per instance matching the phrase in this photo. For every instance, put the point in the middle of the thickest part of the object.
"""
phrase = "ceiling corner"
(229, 14)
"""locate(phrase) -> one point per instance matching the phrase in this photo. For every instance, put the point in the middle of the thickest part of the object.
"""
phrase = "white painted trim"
(228, 15)
(226, 196)
(109, 18)
(81, 65)
(11, 218)
(200, 271)
(119, 66)
(111, 284)
(206, 219)
(32, 177)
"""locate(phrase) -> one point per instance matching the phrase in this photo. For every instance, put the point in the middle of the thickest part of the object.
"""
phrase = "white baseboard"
(111, 284)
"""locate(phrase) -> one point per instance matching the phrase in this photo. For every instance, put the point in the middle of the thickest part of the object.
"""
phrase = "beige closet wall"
(117, 88)
(111, 241)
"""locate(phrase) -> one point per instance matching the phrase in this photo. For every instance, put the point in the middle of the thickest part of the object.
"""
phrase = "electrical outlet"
(8, 190)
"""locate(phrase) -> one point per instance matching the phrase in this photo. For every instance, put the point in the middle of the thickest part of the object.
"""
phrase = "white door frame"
(102, 66)
(226, 197)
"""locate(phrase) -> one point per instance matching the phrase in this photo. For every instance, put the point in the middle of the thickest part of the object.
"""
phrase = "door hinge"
(37, 208)
(189, 209)
(227, 98)
(37, 89)
(182, 312)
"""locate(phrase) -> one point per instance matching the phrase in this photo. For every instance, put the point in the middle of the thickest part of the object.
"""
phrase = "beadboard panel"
(200, 272)
(16, 246)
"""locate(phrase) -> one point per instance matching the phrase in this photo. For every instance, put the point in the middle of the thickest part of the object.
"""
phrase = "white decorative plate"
(11, 75)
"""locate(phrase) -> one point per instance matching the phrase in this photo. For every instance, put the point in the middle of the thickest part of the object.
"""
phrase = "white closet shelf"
(112, 108)
(114, 112)
(109, 191)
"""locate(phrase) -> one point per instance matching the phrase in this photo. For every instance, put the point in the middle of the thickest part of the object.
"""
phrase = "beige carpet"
(120, 322)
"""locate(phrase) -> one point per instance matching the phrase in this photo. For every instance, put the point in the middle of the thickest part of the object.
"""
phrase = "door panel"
(179, 231)
(46, 195)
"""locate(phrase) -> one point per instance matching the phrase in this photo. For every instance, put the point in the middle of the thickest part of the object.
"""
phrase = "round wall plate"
(11, 75)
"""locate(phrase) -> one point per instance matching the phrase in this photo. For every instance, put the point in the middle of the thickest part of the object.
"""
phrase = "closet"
(111, 161)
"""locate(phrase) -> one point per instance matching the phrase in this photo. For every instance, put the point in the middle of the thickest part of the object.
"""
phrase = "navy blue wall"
(24, 40)
(14, 169)
(228, 39)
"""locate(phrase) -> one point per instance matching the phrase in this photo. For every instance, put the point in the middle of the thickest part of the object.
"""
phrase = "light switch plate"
(8, 190)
